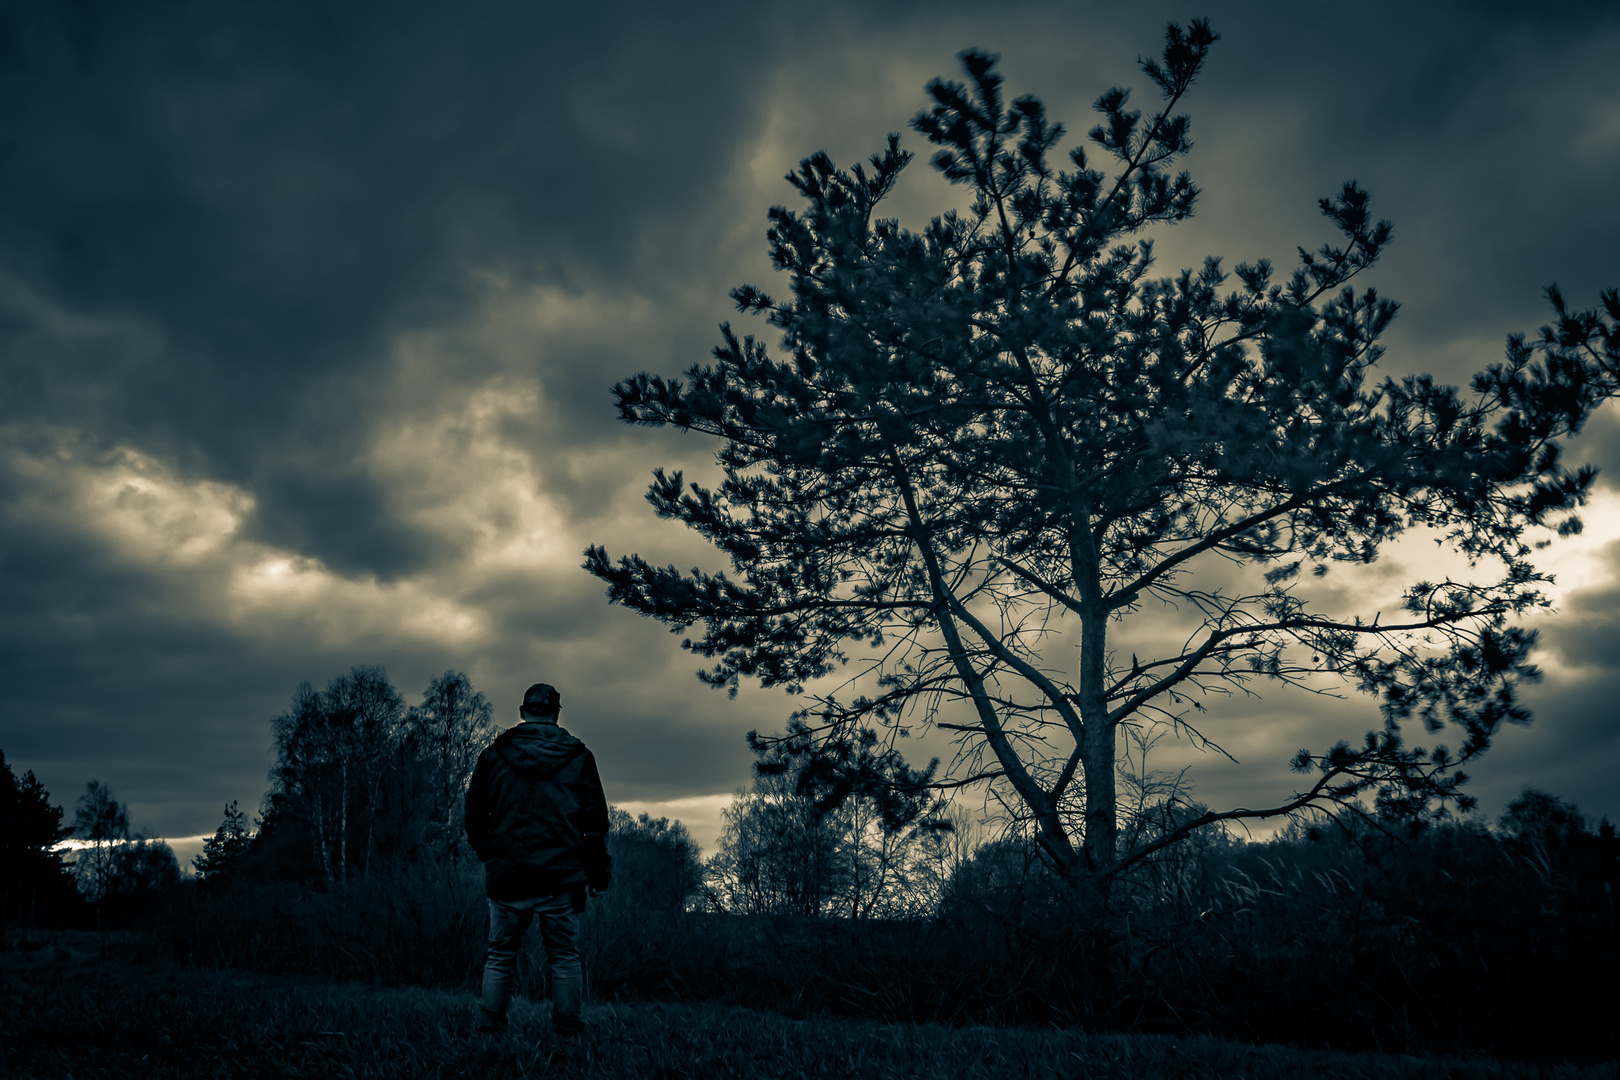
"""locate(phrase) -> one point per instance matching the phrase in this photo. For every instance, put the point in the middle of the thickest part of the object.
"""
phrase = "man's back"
(536, 814)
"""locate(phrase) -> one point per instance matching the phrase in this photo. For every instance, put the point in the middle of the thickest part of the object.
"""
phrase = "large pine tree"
(985, 447)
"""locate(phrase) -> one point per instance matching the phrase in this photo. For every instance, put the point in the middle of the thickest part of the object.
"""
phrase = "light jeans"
(559, 932)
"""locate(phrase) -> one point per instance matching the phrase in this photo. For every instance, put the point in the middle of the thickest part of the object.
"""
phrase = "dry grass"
(79, 1005)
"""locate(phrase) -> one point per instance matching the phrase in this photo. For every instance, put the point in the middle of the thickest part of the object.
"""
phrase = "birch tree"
(102, 822)
(452, 725)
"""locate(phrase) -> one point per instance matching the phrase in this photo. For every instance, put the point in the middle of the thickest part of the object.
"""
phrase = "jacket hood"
(537, 750)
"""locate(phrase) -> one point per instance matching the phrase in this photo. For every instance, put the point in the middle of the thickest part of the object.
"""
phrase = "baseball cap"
(541, 699)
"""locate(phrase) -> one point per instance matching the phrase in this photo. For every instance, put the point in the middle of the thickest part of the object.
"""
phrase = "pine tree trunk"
(1097, 736)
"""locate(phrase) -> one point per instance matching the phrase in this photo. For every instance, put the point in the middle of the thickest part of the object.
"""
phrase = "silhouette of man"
(538, 821)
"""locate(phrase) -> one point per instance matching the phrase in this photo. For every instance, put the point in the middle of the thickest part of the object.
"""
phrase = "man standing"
(538, 821)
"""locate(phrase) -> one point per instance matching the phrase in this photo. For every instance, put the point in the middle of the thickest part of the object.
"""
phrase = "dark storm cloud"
(1599, 445)
(309, 312)
(109, 677)
(1569, 749)
(1478, 135)
(272, 188)
(1587, 631)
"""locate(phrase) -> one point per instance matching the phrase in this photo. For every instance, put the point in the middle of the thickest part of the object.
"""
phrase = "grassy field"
(80, 1006)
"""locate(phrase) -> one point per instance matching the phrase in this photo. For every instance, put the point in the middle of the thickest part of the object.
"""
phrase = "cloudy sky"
(309, 315)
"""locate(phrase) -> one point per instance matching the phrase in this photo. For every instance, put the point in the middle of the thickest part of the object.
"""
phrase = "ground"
(79, 1004)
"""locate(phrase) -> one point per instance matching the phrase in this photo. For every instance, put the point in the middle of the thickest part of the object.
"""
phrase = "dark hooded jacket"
(536, 815)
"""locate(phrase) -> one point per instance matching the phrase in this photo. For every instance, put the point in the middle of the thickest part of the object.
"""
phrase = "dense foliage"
(102, 822)
(1450, 937)
(35, 881)
(223, 852)
(362, 783)
(839, 827)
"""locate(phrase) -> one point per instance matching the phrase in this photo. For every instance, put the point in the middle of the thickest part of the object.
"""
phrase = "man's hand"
(598, 864)
(599, 876)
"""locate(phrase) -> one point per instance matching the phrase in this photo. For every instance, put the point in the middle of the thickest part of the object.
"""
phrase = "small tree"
(778, 854)
(1549, 834)
(366, 716)
(830, 828)
(102, 822)
(655, 862)
(223, 851)
(337, 751)
(870, 801)
(452, 726)
(141, 873)
(30, 829)
(991, 444)
(946, 842)
(303, 785)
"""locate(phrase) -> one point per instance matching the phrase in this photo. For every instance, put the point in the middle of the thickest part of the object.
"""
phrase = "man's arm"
(593, 803)
(593, 825)
(476, 818)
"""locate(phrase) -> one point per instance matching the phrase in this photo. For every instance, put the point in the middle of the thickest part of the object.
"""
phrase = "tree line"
(849, 858)
(364, 786)
(111, 868)
(362, 782)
